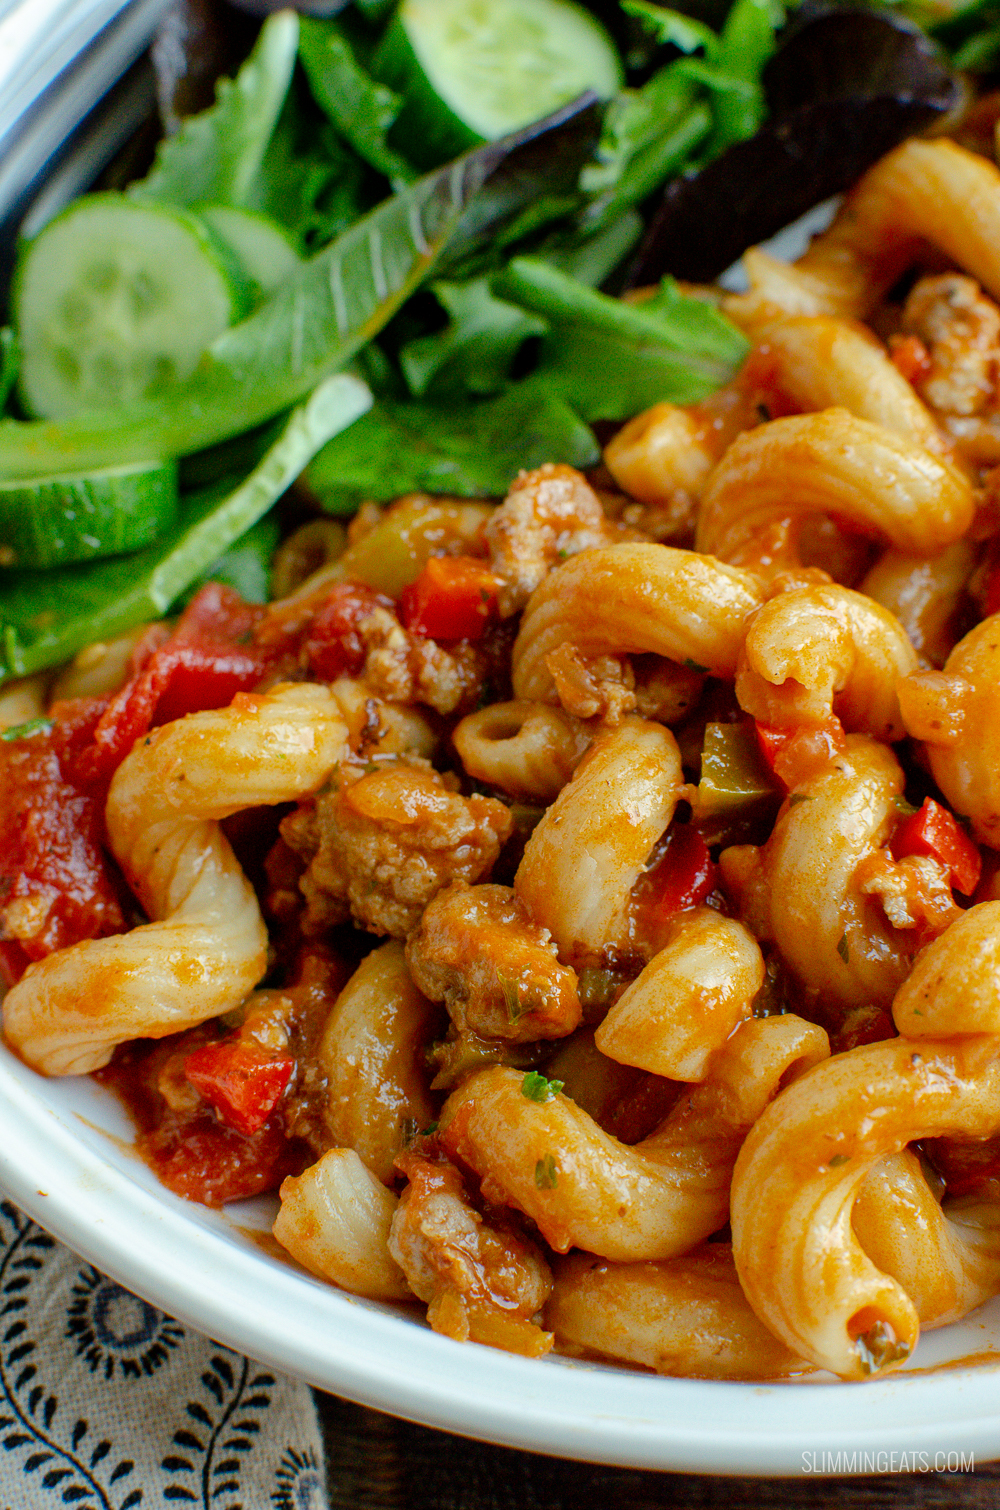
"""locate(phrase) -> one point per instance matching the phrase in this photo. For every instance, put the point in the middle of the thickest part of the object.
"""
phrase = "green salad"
(368, 265)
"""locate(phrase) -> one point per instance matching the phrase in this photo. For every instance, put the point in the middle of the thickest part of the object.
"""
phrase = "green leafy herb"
(360, 108)
(547, 1173)
(27, 731)
(609, 359)
(902, 806)
(839, 1160)
(843, 950)
(470, 450)
(536, 1088)
(796, 797)
(216, 155)
(695, 666)
(45, 617)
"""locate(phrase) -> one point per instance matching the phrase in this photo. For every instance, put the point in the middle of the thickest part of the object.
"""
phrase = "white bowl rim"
(213, 1278)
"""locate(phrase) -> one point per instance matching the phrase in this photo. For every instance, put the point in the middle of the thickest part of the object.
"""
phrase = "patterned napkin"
(109, 1404)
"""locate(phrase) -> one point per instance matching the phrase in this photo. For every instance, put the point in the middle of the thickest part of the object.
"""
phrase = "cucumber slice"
(115, 300)
(473, 70)
(258, 243)
(52, 520)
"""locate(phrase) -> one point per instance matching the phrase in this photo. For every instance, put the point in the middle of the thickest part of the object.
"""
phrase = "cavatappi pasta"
(590, 928)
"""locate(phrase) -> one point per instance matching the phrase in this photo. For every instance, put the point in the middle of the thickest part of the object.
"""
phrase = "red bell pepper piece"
(454, 598)
(683, 878)
(240, 1080)
(934, 831)
(796, 752)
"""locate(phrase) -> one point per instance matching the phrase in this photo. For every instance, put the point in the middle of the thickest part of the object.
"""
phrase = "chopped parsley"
(27, 731)
(838, 1160)
(843, 950)
(537, 1088)
(695, 666)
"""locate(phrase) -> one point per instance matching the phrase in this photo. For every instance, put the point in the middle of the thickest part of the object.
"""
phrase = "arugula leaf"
(649, 134)
(45, 617)
(315, 321)
(683, 32)
(471, 451)
(746, 44)
(476, 349)
(608, 359)
(360, 108)
(215, 156)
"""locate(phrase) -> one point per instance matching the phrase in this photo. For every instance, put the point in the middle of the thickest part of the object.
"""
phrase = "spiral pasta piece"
(957, 715)
(828, 463)
(683, 1316)
(687, 1000)
(335, 1221)
(923, 191)
(946, 1260)
(824, 649)
(206, 945)
(923, 592)
(585, 1189)
(801, 888)
(799, 1173)
(820, 362)
(523, 747)
(371, 1060)
(631, 598)
(588, 850)
(952, 988)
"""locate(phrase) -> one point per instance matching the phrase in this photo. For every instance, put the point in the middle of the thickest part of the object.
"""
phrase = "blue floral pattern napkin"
(109, 1404)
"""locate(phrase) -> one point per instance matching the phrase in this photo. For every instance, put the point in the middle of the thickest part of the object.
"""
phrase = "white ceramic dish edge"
(61, 1162)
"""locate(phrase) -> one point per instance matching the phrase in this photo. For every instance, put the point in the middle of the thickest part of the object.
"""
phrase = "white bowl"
(65, 1157)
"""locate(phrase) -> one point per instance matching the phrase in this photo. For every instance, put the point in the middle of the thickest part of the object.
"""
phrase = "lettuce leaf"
(45, 617)
(216, 155)
(315, 321)
(473, 450)
(609, 360)
(361, 109)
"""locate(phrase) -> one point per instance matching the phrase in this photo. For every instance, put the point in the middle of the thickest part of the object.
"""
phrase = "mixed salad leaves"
(391, 329)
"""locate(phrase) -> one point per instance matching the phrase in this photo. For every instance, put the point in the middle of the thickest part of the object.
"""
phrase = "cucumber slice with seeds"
(261, 247)
(49, 521)
(472, 70)
(115, 300)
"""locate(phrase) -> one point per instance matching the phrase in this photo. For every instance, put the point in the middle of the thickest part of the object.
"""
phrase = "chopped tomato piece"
(454, 598)
(910, 357)
(240, 1080)
(682, 878)
(335, 645)
(210, 656)
(56, 883)
(797, 752)
(935, 831)
(206, 1161)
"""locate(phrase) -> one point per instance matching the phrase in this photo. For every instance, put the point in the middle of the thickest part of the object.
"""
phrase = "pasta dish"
(582, 909)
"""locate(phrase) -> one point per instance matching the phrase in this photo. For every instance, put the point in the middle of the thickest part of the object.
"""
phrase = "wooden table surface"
(378, 1463)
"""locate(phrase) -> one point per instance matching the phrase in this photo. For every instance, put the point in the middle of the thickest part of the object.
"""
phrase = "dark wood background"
(378, 1463)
